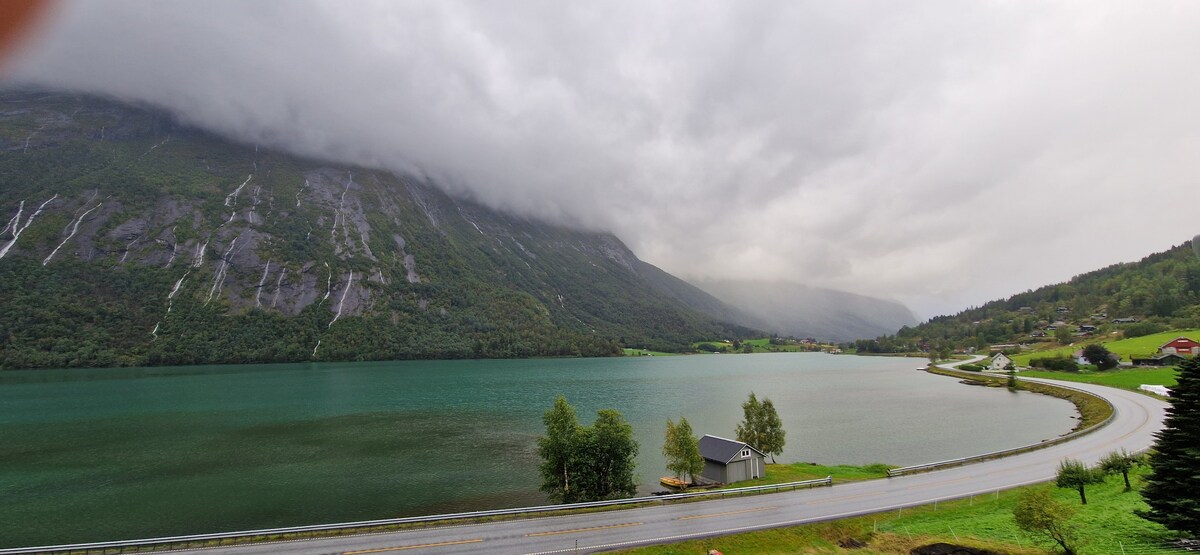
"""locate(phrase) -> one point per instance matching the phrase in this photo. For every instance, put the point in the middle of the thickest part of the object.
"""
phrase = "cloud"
(941, 153)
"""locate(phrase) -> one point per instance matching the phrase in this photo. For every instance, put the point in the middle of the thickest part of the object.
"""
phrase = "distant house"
(1079, 358)
(728, 461)
(999, 363)
(1124, 320)
(1180, 346)
(1167, 359)
(1086, 328)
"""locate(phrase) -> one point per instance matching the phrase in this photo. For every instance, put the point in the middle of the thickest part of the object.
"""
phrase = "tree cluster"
(586, 463)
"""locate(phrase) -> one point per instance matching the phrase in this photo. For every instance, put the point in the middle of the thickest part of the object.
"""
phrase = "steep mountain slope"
(133, 239)
(802, 311)
(1159, 292)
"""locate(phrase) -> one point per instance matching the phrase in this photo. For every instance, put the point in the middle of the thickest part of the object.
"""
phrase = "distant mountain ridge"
(796, 310)
(132, 239)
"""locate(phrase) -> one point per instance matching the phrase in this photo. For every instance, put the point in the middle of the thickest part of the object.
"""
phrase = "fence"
(296, 532)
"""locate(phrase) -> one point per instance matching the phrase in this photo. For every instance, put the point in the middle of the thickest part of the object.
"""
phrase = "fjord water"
(88, 455)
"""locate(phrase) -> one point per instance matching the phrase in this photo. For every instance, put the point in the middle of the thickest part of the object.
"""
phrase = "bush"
(1062, 364)
(1144, 328)
(1100, 356)
(971, 367)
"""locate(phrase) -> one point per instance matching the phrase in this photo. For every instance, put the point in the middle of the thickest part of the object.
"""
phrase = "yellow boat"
(673, 482)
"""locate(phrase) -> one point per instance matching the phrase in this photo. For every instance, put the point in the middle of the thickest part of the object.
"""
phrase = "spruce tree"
(1173, 487)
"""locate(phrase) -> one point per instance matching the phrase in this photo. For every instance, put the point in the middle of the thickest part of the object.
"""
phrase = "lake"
(91, 455)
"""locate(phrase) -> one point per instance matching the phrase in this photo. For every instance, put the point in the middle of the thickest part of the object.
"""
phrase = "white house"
(999, 362)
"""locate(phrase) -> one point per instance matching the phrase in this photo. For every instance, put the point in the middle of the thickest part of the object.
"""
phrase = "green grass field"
(1107, 524)
(797, 472)
(1137, 346)
(1124, 379)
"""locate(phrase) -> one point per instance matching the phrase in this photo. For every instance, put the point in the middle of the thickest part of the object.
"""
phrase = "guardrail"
(894, 472)
(299, 532)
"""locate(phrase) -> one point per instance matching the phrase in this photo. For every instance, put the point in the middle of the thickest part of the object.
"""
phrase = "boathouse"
(728, 461)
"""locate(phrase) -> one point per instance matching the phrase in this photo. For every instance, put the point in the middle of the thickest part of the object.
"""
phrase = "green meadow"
(1122, 379)
(1106, 525)
(1145, 345)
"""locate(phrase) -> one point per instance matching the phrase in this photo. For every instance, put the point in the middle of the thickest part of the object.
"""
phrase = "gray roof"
(719, 449)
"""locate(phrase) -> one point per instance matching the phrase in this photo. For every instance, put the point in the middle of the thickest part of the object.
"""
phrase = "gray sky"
(939, 153)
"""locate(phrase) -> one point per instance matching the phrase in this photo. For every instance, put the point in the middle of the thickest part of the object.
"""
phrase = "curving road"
(1136, 420)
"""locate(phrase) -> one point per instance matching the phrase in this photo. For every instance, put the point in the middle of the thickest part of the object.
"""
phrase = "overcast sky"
(938, 153)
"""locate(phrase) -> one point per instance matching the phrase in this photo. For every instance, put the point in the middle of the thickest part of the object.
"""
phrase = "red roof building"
(1180, 346)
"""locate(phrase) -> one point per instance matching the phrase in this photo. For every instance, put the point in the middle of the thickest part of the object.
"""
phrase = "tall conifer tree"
(1173, 487)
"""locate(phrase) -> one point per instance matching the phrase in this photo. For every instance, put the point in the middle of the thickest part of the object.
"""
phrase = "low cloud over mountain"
(940, 153)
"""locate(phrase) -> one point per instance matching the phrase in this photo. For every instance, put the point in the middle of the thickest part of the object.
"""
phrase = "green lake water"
(90, 455)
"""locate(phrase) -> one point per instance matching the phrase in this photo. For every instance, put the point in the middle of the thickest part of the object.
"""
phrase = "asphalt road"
(1137, 418)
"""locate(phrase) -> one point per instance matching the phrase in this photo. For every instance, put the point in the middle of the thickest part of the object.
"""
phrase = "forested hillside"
(1159, 292)
(131, 239)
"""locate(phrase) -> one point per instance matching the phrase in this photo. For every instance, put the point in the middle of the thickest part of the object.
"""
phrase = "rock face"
(169, 228)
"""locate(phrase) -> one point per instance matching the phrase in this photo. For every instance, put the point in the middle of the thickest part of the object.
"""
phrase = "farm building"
(1167, 359)
(999, 363)
(728, 461)
(1180, 346)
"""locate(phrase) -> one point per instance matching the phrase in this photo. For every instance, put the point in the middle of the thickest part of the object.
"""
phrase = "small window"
(745, 453)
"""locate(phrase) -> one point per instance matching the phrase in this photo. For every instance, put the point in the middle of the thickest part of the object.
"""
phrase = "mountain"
(133, 239)
(1157, 293)
(802, 311)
